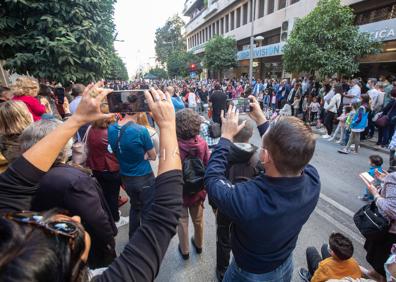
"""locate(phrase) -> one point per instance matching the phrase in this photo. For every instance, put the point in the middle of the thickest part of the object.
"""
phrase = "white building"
(274, 20)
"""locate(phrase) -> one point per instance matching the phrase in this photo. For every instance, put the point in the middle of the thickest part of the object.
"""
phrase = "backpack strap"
(120, 133)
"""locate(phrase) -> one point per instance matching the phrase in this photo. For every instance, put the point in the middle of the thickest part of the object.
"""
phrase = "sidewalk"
(369, 144)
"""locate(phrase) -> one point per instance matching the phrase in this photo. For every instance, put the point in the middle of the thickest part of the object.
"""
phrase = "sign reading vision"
(261, 52)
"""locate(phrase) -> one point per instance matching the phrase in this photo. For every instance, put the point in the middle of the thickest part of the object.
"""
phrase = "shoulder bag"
(383, 120)
(370, 222)
(80, 149)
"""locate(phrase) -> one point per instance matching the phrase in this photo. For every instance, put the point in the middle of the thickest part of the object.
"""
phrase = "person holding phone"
(133, 147)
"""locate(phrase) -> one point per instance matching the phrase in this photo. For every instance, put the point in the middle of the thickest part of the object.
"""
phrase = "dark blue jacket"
(267, 213)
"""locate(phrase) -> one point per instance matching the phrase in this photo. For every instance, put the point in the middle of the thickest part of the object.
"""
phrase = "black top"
(219, 102)
(18, 185)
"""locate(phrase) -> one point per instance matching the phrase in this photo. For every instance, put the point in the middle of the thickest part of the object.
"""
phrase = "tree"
(169, 39)
(58, 40)
(117, 69)
(220, 54)
(158, 72)
(178, 63)
(327, 41)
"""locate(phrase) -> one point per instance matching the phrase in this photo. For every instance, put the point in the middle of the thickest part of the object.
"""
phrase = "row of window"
(375, 15)
(235, 19)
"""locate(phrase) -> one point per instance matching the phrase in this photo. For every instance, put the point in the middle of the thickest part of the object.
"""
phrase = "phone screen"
(242, 104)
(60, 94)
(127, 101)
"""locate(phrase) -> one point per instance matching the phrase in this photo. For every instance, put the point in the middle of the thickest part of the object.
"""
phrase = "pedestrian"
(335, 262)
(305, 109)
(281, 200)
(358, 124)
(341, 127)
(133, 147)
(218, 103)
(376, 163)
(331, 108)
(177, 101)
(385, 133)
(314, 109)
(194, 153)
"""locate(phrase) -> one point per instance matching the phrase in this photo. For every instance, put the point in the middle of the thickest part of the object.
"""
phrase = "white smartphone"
(366, 176)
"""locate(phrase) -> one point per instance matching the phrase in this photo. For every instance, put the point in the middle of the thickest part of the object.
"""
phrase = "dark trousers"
(223, 243)
(110, 183)
(140, 190)
(371, 124)
(385, 134)
(328, 122)
(314, 258)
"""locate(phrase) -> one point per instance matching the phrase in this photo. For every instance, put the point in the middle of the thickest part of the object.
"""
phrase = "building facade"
(273, 21)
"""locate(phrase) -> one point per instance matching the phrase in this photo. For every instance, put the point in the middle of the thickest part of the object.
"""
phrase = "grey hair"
(37, 131)
(246, 132)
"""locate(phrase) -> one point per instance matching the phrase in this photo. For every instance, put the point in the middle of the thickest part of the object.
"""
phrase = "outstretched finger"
(156, 96)
(241, 126)
(161, 94)
(168, 96)
(230, 112)
(103, 94)
(149, 99)
(88, 89)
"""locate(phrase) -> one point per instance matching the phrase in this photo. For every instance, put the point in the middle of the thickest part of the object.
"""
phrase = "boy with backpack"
(194, 154)
(243, 165)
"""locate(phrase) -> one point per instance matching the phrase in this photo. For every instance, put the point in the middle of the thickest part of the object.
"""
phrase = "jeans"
(110, 183)
(283, 273)
(313, 257)
(140, 190)
(346, 136)
(223, 242)
(355, 139)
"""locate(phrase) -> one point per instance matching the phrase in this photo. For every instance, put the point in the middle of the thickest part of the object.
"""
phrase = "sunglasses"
(57, 227)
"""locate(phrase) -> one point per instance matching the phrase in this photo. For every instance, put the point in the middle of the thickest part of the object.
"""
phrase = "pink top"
(34, 106)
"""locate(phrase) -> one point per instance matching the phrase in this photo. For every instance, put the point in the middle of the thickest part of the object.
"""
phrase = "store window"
(376, 15)
(245, 13)
(282, 4)
(238, 17)
(232, 15)
(261, 8)
(271, 6)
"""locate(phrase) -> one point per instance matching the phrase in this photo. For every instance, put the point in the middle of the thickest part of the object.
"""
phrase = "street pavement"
(341, 187)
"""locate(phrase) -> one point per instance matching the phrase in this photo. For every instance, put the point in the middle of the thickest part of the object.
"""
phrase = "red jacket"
(34, 106)
(204, 154)
(99, 158)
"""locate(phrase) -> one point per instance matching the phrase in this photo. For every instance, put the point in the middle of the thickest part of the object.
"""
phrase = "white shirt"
(74, 104)
(355, 92)
(334, 104)
(192, 103)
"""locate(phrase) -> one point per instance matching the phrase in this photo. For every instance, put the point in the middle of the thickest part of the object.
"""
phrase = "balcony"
(192, 6)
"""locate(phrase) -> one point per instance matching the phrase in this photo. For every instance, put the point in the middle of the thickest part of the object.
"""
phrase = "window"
(210, 32)
(222, 26)
(238, 17)
(270, 6)
(227, 23)
(251, 11)
(282, 4)
(293, 1)
(245, 13)
(378, 14)
(218, 27)
(214, 29)
(261, 8)
(207, 33)
(232, 20)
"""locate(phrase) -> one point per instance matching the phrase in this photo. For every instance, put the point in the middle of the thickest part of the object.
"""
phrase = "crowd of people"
(65, 160)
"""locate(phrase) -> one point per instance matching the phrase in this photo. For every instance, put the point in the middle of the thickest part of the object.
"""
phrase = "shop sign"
(261, 52)
(381, 31)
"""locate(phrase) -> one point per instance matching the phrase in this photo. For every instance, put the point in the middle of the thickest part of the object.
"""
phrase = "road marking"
(343, 228)
(337, 205)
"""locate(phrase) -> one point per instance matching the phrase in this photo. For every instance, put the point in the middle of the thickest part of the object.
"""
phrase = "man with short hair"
(268, 211)
(218, 103)
(77, 91)
(353, 95)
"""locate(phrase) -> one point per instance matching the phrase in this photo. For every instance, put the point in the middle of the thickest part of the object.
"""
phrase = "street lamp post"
(251, 44)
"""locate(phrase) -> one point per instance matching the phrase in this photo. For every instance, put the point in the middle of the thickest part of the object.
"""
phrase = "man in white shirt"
(77, 91)
(353, 95)
(372, 92)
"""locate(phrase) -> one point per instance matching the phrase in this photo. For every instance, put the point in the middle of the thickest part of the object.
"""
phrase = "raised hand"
(256, 113)
(161, 107)
(230, 126)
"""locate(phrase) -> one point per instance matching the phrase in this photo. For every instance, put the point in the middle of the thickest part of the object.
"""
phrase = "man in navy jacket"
(268, 211)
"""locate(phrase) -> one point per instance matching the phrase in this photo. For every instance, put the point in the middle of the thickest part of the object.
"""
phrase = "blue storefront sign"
(261, 52)
(193, 74)
(381, 31)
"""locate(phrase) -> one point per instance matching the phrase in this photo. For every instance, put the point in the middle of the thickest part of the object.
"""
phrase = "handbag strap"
(85, 138)
(393, 106)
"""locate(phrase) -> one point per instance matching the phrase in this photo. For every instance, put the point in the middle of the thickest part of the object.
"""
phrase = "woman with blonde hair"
(26, 90)
(14, 118)
(143, 120)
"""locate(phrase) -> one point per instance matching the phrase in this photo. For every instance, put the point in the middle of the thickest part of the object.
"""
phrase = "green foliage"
(220, 53)
(117, 69)
(169, 39)
(159, 72)
(327, 41)
(178, 63)
(59, 40)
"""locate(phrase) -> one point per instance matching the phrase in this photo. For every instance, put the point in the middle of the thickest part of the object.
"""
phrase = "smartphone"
(127, 101)
(366, 176)
(242, 104)
(60, 94)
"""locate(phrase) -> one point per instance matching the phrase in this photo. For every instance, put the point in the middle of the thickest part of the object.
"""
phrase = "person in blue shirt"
(132, 145)
(269, 211)
(282, 93)
(376, 163)
(177, 101)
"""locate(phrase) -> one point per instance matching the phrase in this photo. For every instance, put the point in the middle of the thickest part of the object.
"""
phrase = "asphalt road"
(341, 187)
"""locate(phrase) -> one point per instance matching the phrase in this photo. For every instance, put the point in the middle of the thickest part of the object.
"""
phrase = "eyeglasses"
(58, 227)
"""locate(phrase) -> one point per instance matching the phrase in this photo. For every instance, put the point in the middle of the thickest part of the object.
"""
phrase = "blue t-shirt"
(134, 143)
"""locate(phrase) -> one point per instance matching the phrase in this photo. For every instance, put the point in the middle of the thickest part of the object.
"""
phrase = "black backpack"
(193, 174)
(241, 172)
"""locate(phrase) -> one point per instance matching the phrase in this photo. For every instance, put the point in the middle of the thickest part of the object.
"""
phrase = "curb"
(362, 144)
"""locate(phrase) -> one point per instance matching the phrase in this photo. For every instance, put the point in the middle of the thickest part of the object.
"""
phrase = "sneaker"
(364, 198)
(344, 151)
(326, 136)
(124, 220)
(184, 256)
(198, 250)
(304, 274)
(338, 142)
(330, 139)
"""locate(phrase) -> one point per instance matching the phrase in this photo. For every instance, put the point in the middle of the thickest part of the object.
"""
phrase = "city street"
(341, 187)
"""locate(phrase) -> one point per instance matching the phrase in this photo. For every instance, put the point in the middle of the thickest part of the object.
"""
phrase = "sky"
(136, 22)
